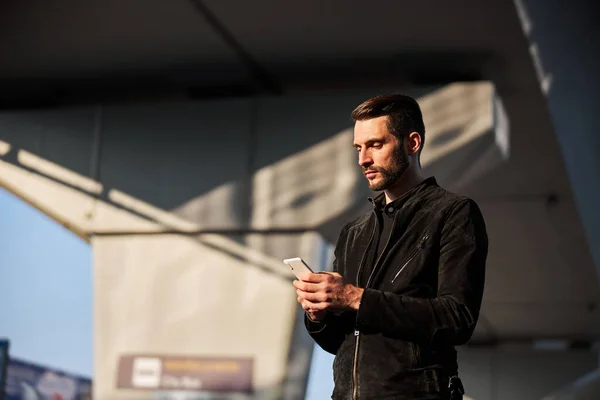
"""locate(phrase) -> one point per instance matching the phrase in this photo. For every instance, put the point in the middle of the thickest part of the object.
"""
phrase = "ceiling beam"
(198, 81)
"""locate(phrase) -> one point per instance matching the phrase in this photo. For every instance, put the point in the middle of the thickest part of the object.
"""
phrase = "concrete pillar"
(565, 46)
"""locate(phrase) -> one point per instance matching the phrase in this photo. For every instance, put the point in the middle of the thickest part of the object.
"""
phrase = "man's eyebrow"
(370, 140)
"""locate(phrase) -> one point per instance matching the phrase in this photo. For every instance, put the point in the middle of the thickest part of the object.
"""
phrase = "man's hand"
(326, 291)
(316, 316)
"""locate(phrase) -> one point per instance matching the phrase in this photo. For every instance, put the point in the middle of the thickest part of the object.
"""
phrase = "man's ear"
(414, 143)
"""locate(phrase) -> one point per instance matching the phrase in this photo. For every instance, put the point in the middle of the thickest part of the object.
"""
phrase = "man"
(408, 276)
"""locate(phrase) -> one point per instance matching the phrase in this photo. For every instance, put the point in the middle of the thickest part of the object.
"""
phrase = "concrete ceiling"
(72, 50)
(69, 52)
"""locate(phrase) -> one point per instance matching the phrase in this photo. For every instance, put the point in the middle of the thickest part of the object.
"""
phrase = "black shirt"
(385, 215)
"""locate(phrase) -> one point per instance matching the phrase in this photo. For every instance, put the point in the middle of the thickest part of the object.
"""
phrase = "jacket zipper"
(356, 331)
(355, 367)
(413, 255)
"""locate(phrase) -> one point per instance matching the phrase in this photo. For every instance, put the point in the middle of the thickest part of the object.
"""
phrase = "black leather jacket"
(421, 299)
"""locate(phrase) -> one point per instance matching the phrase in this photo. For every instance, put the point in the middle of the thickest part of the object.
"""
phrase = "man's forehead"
(370, 129)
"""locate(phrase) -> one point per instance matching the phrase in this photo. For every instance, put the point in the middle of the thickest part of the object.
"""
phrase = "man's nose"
(364, 159)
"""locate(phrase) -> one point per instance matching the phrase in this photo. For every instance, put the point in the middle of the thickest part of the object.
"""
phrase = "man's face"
(380, 154)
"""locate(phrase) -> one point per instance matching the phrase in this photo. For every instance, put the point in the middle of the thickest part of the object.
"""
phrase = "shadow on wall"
(308, 182)
(258, 172)
(261, 167)
(169, 154)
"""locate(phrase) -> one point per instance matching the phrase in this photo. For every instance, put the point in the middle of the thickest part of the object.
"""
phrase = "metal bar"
(223, 231)
(257, 71)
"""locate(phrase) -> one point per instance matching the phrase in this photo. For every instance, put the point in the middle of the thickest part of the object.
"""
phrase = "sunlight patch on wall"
(4, 148)
(454, 116)
(58, 172)
(309, 187)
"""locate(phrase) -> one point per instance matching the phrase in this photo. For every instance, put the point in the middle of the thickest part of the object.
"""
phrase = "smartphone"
(298, 267)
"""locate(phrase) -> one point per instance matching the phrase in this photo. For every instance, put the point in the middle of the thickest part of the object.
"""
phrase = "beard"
(389, 174)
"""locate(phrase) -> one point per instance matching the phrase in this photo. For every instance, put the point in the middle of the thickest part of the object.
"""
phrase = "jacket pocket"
(420, 245)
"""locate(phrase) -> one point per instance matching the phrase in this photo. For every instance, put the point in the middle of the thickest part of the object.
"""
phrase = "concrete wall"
(565, 47)
(141, 181)
(520, 373)
(585, 387)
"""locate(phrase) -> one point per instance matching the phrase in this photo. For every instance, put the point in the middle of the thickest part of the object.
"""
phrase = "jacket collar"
(379, 200)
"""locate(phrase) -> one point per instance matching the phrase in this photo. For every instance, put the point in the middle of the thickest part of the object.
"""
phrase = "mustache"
(370, 169)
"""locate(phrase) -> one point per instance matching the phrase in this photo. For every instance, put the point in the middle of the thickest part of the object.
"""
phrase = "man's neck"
(408, 180)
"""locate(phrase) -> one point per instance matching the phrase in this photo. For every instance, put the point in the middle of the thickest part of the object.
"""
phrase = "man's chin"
(376, 186)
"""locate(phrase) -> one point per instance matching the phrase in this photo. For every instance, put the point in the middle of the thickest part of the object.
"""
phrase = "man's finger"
(306, 287)
(309, 305)
(305, 305)
(315, 277)
(318, 297)
(307, 295)
(323, 276)
(313, 305)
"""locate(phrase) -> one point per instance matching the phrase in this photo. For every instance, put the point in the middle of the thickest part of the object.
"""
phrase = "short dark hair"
(403, 112)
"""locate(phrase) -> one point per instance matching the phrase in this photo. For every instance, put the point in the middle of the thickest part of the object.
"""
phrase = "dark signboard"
(28, 381)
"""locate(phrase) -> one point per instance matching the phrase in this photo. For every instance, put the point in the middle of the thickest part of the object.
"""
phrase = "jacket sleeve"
(329, 333)
(450, 318)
